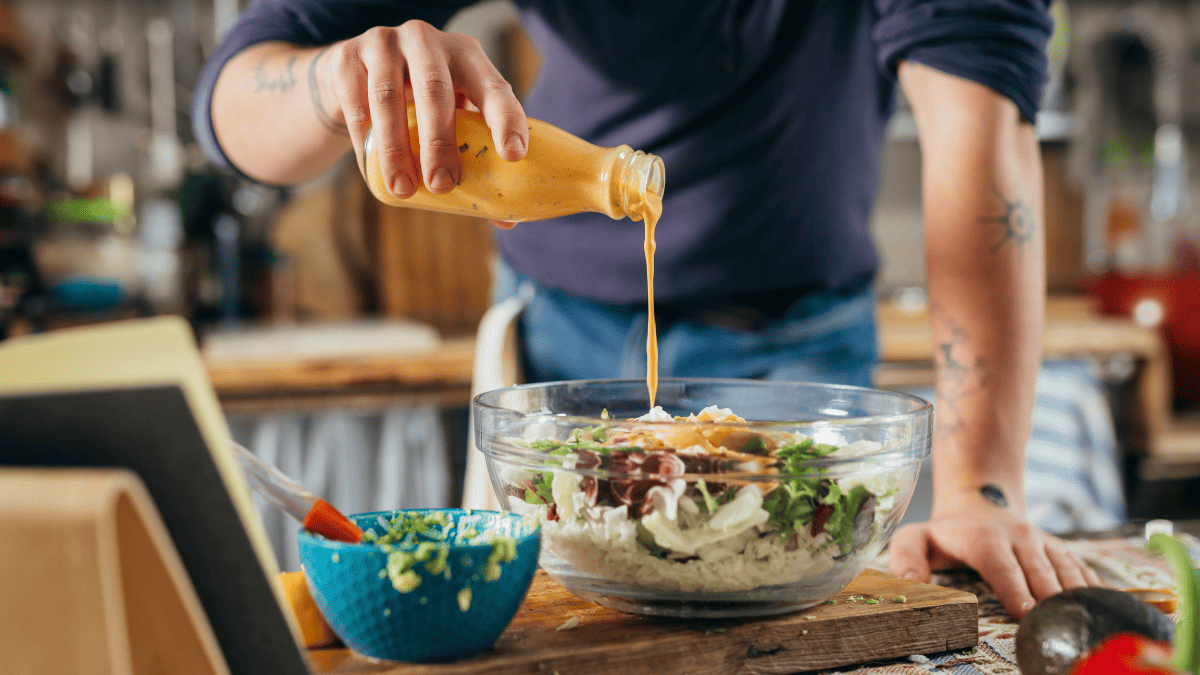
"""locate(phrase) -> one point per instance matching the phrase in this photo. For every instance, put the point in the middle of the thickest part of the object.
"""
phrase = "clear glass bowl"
(720, 518)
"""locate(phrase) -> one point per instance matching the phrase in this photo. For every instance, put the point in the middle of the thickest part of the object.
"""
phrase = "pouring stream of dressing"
(650, 210)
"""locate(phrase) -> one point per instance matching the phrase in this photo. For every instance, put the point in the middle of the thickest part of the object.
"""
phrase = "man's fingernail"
(514, 144)
(911, 575)
(403, 186)
(442, 180)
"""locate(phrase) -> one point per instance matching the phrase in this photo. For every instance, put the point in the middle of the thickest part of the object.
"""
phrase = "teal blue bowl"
(417, 609)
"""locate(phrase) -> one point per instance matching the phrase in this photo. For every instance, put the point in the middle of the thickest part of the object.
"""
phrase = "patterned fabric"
(1072, 478)
(1123, 563)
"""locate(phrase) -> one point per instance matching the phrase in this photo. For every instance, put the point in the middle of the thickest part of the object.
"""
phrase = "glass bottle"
(561, 174)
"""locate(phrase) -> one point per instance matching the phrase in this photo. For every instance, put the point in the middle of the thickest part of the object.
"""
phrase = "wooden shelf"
(445, 367)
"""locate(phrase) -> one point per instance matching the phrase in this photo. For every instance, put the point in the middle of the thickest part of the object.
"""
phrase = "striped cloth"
(1072, 476)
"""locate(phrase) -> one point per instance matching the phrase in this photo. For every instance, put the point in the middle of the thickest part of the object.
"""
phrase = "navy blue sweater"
(768, 114)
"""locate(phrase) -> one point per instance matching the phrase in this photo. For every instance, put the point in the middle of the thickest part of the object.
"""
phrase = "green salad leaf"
(840, 525)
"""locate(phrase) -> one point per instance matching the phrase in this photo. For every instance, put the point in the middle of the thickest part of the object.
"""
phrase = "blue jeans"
(823, 338)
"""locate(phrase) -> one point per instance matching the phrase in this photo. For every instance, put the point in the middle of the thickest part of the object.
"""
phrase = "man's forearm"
(982, 191)
(271, 114)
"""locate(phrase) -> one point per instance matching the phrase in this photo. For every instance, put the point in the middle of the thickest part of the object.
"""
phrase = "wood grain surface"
(931, 619)
(446, 365)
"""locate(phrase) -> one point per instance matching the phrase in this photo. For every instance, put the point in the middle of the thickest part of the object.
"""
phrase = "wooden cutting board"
(931, 619)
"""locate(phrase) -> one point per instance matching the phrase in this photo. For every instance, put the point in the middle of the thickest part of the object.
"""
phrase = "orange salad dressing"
(561, 174)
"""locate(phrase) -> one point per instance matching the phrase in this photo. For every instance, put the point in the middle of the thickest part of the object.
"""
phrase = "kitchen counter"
(1120, 559)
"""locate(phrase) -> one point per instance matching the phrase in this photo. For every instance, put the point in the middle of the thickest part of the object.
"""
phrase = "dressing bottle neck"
(638, 180)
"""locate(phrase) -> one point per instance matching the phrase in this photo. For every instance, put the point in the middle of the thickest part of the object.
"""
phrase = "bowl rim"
(924, 407)
(535, 459)
(305, 534)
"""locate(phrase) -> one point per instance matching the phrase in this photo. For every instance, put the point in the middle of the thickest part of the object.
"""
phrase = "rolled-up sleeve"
(998, 43)
(300, 22)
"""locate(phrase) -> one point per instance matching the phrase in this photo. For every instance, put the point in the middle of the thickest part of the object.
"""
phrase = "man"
(769, 116)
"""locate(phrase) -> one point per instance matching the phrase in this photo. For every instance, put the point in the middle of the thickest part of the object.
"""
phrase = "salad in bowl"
(692, 509)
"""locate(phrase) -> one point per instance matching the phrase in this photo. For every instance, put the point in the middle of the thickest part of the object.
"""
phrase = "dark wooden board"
(932, 619)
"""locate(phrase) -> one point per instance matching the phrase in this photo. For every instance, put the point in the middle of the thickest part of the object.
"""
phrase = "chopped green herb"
(336, 558)
(399, 562)
(727, 496)
(464, 599)
(438, 564)
(901, 598)
(646, 539)
(387, 611)
(383, 573)
(871, 601)
(407, 582)
(831, 602)
(840, 524)
(710, 504)
(804, 631)
(575, 443)
(406, 527)
(424, 550)
(754, 446)
(504, 549)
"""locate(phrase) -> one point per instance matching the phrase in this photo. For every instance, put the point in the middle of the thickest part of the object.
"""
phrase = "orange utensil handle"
(328, 522)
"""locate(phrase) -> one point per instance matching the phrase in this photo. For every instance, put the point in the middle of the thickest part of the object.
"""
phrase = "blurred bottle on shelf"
(1125, 217)
(1169, 204)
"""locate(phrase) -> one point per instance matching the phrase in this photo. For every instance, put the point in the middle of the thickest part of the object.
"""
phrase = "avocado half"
(1063, 628)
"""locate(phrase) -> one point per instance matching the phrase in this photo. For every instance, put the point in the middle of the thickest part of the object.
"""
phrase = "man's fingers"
(908, 552)
(494, 95)
(1069, 569)
(1040, 575)
(348, 78)
(999, 567)
(433, 94)
(389, 115)
(504, 224)
(1090, 575)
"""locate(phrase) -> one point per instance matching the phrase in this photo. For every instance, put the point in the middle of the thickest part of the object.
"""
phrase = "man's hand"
(320, 102)
(369, 75)
(1020, 563)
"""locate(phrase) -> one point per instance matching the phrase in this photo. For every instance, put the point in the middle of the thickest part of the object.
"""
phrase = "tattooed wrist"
(994, 494)
(314, 92)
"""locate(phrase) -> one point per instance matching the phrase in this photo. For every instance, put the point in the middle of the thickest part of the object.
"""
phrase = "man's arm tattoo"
(1017, 223)
(279, 83)
(959, 377)
(994, 494)
(314, 92)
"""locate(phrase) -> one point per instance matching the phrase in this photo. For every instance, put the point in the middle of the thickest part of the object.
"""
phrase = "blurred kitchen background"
(340, 333)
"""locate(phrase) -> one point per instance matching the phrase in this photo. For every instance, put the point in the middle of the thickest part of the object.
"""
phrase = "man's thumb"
(908, 553)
